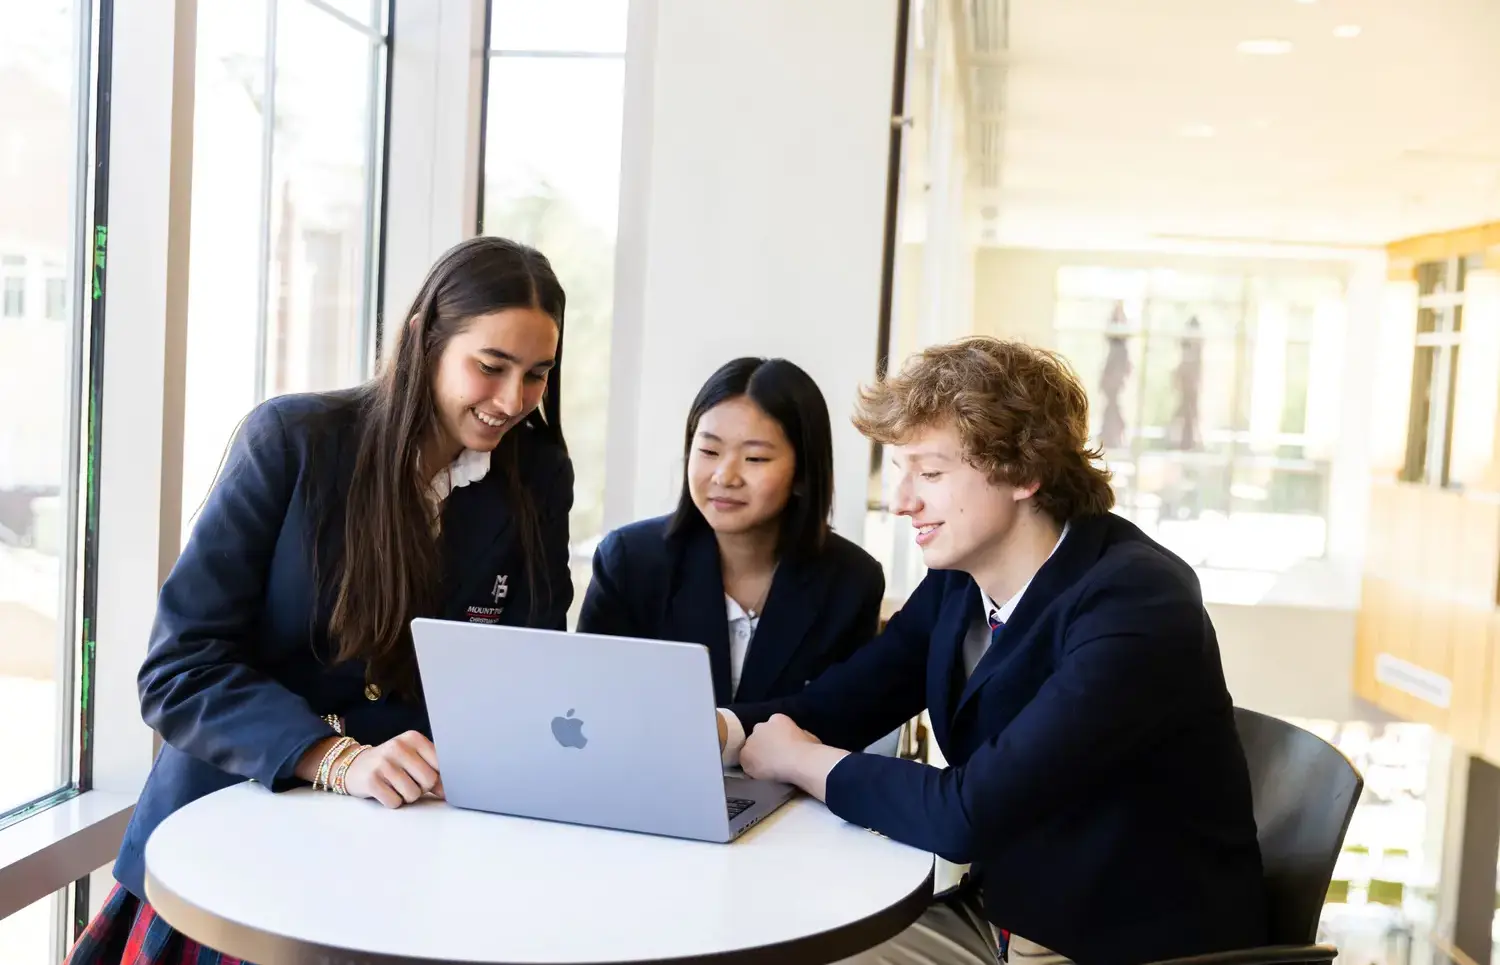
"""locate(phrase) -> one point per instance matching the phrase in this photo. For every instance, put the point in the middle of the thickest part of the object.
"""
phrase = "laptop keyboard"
(737, 806)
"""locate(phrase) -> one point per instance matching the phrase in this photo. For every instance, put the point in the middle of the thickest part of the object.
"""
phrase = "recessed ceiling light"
(1197, 130)
(1265, 46)
(1346, 31)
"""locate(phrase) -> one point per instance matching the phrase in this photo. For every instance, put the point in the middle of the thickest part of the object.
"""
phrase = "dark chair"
(1304, 792)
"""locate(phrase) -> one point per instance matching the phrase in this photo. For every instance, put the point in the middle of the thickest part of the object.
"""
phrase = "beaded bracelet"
(320, 782)
(341, 772)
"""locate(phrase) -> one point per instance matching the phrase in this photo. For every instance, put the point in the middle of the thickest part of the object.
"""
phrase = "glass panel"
(1189, 376)
(327, 118)
(552, 180)
(592, 26)
(37, 338)
(1201, 389)
(1106, 362)
(224, 285)
(26, 937)
(1384, 887)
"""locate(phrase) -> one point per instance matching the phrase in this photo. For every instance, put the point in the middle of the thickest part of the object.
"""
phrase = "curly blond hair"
(1020, 411)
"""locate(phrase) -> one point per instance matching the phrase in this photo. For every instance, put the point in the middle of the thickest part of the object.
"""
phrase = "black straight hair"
(788, 395)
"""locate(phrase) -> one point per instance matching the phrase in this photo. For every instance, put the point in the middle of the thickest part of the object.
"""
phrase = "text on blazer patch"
(485, 614)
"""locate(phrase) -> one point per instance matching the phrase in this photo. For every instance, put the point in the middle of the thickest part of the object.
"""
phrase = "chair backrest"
(1304, 792)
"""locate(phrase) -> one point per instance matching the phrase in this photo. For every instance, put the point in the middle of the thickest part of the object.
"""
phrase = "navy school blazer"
(1096, 780)
(818, 612)
(237, 676)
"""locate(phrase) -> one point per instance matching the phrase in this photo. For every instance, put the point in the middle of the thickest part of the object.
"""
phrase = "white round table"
(305, 878)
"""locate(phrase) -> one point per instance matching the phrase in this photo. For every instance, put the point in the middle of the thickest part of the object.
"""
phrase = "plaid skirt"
(128, 931)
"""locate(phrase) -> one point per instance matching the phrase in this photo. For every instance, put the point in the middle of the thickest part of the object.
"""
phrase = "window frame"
(580, 549)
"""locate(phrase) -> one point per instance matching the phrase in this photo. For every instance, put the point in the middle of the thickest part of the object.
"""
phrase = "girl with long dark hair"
(282, 650)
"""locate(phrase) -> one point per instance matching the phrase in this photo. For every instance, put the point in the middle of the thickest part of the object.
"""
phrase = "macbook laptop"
(604, 731)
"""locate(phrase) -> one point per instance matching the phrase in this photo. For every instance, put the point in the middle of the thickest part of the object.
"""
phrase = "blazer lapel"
(475, 517)
(945, 670)
(791, 606)
(1079, 551)
(695, 611)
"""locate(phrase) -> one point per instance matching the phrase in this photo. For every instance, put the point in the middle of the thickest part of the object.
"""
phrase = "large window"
(288, 129)
(551, 179)
(1442, 289)
(47, 59)
(1214, 398)
(45, 67)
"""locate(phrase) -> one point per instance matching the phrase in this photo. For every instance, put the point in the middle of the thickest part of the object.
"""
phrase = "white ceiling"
(1340, 142)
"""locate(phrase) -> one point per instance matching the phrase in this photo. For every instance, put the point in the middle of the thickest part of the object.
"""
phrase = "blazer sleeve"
(556, 504)
(199, 686)
(1132, 662)
(883, 685)
(605, 607)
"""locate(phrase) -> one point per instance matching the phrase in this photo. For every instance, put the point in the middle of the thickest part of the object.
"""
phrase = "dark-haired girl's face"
(741, 467)
(491, 376)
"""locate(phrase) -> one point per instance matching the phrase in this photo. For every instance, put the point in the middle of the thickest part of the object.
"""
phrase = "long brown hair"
(389, 566)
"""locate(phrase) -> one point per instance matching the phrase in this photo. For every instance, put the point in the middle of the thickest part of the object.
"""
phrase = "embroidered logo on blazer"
(485, 614)
(501, 590)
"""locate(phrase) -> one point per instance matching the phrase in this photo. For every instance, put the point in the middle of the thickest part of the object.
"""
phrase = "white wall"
(752, 206)
(1290, 661)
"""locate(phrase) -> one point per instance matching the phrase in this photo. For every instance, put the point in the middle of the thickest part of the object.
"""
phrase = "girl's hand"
(398, 772)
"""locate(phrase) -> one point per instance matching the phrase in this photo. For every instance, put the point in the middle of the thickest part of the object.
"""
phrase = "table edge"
(268, 948)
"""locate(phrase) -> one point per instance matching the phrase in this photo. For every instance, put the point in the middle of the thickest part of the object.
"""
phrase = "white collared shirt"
(470, 466)
(977, 640)
(742, 627)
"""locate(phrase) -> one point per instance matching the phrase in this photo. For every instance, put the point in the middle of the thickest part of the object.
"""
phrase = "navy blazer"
(1096, 779)
(237, 677)
(818, 612)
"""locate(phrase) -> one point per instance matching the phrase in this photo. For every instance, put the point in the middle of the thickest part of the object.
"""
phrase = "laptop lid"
(603, 731)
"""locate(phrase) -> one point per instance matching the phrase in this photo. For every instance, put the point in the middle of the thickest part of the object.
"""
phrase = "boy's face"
(960, 516)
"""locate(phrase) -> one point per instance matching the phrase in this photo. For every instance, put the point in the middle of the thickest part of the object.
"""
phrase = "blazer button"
(372, 692)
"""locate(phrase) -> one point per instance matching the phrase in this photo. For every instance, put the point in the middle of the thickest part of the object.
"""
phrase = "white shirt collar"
(1002, 613)
(736, 612)
(470, 466)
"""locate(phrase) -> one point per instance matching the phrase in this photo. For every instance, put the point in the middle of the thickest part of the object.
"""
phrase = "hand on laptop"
(779, 750)
(397, 772)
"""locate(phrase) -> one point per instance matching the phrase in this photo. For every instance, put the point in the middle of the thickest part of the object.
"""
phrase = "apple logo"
(569, 731)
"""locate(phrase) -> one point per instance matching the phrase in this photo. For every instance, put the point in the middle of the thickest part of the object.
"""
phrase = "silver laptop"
(605, 731)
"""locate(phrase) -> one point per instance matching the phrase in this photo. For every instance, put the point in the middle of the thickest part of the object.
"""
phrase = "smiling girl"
(747, 565)
(282, 651)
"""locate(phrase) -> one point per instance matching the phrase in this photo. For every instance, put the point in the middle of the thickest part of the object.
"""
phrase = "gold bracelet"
(336, 722)
(320, 781)
(341, 772)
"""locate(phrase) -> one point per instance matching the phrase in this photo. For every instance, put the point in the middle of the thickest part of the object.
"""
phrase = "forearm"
(811, 767)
